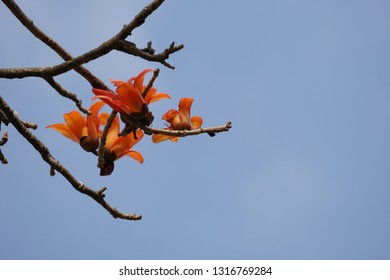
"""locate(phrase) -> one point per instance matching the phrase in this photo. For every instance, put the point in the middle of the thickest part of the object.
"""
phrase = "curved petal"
(117, 83)
(157, 138)
(149, 95)
(112, 134)
(64, 130)
(95, 107)
(139, 80)
(76, 123)
(174, 139)
(185, 107)
(123, 144)
(131, 97)
(170, 115)
(152, 96)
(111, 100)
(106, 93)
(103, 118)
(93, 120)
(135, 155)
(196, 122)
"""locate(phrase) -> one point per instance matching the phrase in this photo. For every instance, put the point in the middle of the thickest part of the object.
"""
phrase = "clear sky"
(303, 174)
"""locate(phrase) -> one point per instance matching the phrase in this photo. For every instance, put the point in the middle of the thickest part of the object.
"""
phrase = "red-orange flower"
(119, 146)
(82, 130)
(129, 100)
(179, 120)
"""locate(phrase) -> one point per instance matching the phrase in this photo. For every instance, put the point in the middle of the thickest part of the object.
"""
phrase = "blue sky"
(303, 174)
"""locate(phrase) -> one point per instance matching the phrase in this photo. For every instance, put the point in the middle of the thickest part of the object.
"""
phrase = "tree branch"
(3, 159)
(4, 119)
(72, 63)
(183, 133)
(55, 164)
(148, 53)
(3, 140)
(28, 23)
(63, 92)
(178, 133)
(85, 73)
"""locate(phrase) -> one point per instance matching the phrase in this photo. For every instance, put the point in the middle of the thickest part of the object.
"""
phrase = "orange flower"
(119, 146)
(82, 130)
(179, 120)
(129, 100)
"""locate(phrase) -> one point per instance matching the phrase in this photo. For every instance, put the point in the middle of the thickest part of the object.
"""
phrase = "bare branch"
(178, 133)
(101, 191)
(47, 157)
(4, 119)
(148, 53)
(4, 139)
(72, 63)
(3, 159)
(28, 23)
(63, 92)
(183, 133)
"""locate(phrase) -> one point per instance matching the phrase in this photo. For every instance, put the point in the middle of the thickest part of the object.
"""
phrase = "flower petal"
(112, 134)
(112, 100)
(131, 97)
(123, 144)
(93, 120)
(152, 96)
(139, 80)
(117, 83)
(157, 138)
(196, 122)
(174, 139)
(135, 155)
(185, 107)
(64, 130)
(76, 123)
(103, 118)
(170, 115)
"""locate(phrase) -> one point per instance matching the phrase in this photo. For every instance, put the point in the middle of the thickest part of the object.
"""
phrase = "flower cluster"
(131, 101)
(86, 131)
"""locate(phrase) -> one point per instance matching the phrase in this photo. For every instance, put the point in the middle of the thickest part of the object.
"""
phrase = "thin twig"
(181, 133)
(4, 139)
(148, 53)
(150, 84)
(3, 159)
(184, 133)
(63, 92)
(30, 125)
(47, 157)
(4, 119)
